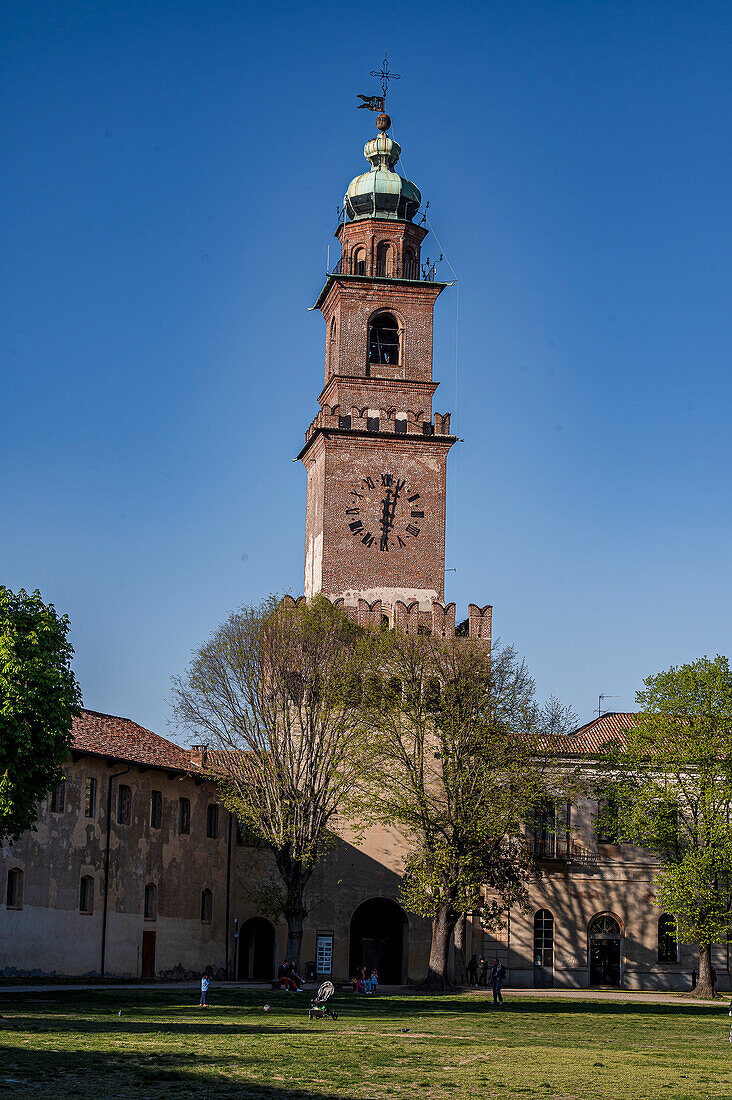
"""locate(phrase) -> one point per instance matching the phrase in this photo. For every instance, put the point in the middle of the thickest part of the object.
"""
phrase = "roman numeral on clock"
(417, 515)
(368, 539)
(413, 498)
(386, 479)
(356, 526)
(355, 511)
(368, 482)
(412, 529)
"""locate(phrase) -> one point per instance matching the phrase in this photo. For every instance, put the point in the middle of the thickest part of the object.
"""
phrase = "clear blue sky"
(171, 178)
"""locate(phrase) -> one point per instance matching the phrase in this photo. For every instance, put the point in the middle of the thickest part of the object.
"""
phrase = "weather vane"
(377, 102)
(385, 75)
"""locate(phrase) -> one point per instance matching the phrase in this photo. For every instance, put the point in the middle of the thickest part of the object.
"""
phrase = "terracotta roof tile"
(121, 739)
(594, 736)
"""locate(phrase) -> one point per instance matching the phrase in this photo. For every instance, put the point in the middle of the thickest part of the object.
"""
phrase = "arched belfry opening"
(384, 339)
(379, 938)
(256, 950)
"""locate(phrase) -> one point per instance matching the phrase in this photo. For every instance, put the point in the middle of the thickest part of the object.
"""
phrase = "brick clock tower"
(375, 454)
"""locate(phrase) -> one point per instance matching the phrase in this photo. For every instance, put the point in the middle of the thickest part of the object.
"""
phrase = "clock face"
(384, 513)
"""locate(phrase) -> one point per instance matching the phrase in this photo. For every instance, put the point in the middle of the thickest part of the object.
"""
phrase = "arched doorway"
(256, 950)
(379, 938)
(605, 949)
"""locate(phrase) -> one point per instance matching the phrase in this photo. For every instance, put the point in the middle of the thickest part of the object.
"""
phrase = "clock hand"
(387, 518)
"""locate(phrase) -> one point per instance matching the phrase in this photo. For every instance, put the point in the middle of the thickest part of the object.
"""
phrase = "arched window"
(359, 261)
(400, 423)
(384, 339)
(668, 943)
(604, 926)
(151, 901)
(383, 259)
(544, 939)
(206, 907)
(86, 894)
(14, 894)
(410, 265)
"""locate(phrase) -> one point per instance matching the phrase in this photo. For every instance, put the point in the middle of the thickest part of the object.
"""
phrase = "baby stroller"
(319, 1005)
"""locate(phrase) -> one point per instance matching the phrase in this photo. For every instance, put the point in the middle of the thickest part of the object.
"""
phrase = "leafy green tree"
(276, 693)
(456, 768)
(669, 788)
(39, 697)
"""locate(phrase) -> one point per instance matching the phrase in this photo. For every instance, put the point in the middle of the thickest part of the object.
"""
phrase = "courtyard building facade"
(136, 870)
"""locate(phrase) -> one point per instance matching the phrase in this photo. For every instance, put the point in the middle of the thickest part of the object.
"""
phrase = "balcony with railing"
(558, 849)
(412, 270)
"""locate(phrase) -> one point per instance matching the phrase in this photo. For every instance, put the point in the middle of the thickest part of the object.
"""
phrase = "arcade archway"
(605, 950)
(256, 950)
(380, 938)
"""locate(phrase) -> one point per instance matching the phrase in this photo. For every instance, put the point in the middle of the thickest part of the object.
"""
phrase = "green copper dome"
(382, 192)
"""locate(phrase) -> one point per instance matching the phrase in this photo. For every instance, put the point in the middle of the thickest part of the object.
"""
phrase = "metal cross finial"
(385, 75)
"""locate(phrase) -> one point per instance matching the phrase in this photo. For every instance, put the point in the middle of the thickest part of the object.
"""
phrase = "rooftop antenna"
(599, 703)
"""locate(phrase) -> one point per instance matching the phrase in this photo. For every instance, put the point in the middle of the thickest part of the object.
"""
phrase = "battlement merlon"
(356, 421)
(415, 617)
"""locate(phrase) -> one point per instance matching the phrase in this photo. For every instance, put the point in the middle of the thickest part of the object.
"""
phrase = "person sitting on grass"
(289, 978)
(205, 983)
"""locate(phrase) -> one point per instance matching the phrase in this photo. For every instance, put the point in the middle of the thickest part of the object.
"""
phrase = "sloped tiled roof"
(594, 736)
(121, 739)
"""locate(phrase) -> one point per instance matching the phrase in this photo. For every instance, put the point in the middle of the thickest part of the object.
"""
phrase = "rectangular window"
(212, 821)
(324, 953)
(156, 809)
(184, 815)
(58, 798)
(606, 825)
(344, 422)
(14, 894)
(86, 895)
(372, 423)
(90, 798)
(400, 427)
(124, 805)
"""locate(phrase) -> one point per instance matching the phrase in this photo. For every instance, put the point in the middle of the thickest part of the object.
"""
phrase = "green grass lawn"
(75, 1044)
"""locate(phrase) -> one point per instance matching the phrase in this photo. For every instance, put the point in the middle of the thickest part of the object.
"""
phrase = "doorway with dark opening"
(256, 950)
(605, 950)
(379, 938)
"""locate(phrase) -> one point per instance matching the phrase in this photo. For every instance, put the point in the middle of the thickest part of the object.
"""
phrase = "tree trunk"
(459, 976)
(704, 986)
(437, 980)
(294, 937)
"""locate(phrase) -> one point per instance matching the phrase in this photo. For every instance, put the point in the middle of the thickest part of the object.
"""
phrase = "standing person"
(483, 969)
(205, 983)
(472, 969)
(498, 973)
(374, 980)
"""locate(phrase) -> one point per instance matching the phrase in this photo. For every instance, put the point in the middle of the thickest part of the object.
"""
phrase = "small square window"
(372, 423)
(400, 427)
(344, 422)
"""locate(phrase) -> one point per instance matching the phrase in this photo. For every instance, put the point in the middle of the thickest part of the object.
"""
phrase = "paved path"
(539, 994)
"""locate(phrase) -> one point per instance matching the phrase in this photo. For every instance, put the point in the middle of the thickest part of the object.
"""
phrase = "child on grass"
(205, 983)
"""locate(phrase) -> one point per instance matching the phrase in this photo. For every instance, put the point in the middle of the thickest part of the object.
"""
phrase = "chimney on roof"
(199, 755)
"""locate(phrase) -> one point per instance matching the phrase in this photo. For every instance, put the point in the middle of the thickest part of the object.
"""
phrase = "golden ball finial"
(383, 122)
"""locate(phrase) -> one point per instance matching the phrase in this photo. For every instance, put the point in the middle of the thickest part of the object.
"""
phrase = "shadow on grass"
(90, 1074)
